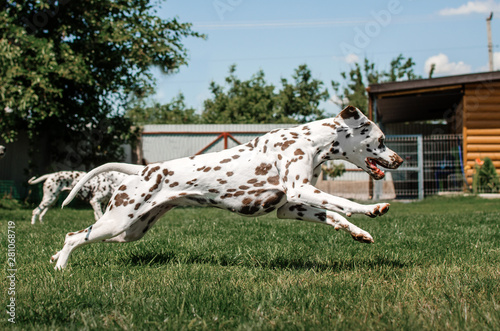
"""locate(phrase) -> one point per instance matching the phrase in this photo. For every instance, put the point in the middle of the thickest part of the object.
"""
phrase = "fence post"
(420, 151)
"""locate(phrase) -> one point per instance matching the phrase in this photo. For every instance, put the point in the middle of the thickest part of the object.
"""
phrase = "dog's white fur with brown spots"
(276, 171)
(96, 191)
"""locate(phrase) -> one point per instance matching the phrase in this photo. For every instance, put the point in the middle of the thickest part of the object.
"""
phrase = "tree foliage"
(256, 101)
(353, 91)
(68, 69)
(174, 112)
(301, 99)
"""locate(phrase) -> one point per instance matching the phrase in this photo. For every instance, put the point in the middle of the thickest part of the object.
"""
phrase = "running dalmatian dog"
(274, 172)
(97, 191)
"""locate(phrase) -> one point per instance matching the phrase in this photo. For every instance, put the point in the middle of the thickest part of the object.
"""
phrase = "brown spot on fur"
(212, 190)
(229, 173)
(287, 144)
(150, 172)
(174, 184)
(317, 191)
(257, 192)
(122, 188)
(299, 152)
(252, 181)
(238, 193)
(263, 169)
(274, 180)
(227, 195)
(247, 201)
(120, 199)
(235, 157)
(137, 206)
(147, 197)
(157, 184)
(225, 161)
(207, 169)
(217, 168)
(333, 126)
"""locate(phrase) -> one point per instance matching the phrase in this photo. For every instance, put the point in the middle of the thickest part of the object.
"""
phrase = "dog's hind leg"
(312, 214)
(111, 227)
(40, 211)
(105, 228)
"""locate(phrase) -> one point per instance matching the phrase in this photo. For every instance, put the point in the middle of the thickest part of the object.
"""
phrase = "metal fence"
(432, 165)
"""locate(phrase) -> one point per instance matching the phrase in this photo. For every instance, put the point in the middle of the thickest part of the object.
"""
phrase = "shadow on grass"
(280, 262)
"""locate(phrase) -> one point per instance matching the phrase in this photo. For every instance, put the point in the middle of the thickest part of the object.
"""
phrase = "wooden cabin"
(464, 104)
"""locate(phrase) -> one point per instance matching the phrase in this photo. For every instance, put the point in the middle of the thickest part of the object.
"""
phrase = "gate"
(432, 165)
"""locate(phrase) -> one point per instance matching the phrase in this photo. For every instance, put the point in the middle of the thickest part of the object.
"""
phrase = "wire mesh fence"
(432, 164)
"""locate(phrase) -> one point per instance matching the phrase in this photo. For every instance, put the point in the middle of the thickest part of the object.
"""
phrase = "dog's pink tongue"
(375, 168)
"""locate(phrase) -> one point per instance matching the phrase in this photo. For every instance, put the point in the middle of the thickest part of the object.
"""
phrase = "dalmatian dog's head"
(2, 151)
(360, 141)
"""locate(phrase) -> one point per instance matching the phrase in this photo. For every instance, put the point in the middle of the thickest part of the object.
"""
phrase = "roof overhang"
(422, 99)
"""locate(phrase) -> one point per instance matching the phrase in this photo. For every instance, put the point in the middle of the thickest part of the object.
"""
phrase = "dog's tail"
(128, 169)
(35, 180)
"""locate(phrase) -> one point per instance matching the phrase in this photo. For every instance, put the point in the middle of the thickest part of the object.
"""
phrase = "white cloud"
(472, 7)
(351, 58)
(337, 100)
(444, 67)
(496, 63)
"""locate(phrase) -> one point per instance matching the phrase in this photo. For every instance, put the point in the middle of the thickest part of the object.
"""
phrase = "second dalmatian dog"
(274, 172)
(96, 191)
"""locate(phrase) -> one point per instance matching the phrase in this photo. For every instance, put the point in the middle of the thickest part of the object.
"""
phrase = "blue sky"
(329, 36)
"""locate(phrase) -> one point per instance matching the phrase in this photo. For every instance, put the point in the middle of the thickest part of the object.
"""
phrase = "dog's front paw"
(363, 237)
(378, 210)
(55, 257)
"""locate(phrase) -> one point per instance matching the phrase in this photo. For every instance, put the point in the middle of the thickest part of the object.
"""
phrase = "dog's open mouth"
(371, 163)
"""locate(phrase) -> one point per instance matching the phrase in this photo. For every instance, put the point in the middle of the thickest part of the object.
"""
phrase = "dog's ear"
(351, 113)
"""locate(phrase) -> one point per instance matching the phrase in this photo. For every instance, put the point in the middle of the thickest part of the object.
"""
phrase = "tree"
(301, 100)
(256, 101)
(74, 66)
(174, 112)
(250, 101)
(353, 92)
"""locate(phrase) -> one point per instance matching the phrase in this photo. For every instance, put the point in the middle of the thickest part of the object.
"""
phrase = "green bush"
(485, 178)
(8, 202)
(335, 170)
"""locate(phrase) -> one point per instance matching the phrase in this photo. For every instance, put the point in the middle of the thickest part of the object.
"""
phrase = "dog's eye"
(381, 143)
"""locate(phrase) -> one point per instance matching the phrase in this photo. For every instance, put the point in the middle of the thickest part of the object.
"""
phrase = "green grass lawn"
(435, 264)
